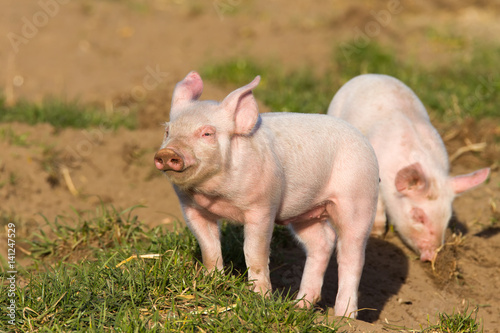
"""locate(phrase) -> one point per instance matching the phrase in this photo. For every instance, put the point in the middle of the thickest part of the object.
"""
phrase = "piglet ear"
(189, 89)
(242, 107)
(411, 180)
(466, 182)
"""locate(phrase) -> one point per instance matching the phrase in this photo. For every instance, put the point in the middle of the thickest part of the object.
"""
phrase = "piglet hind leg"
(318, 240)
(352, 220)
(380, 225)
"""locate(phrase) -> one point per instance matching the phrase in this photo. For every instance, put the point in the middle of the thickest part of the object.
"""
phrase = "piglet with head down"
(416, 190)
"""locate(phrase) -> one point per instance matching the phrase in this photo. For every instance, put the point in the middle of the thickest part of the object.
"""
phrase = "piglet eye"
(207, 131)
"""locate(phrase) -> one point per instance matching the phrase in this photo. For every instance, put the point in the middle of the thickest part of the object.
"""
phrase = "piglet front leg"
(258, 231)
(205, 228)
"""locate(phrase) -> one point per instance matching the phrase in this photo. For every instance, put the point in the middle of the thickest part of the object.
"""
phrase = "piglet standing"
(315, 173)
(416, 191)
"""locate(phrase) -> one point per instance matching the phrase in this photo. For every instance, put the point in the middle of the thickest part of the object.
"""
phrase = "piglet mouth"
(429, 255)
(167, 159)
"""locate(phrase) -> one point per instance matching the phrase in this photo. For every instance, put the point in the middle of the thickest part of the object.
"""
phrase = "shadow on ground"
(385, 271)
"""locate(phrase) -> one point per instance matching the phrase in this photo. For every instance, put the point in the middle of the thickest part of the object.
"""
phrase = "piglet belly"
(317, 213)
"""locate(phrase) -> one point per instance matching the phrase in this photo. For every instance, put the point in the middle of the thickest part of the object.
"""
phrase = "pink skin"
(227, 161)
(416, 191)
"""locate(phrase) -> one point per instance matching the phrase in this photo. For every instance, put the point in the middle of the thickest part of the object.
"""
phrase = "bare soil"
(119, 54)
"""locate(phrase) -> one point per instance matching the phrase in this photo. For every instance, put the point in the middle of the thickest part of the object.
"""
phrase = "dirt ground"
(107, 52)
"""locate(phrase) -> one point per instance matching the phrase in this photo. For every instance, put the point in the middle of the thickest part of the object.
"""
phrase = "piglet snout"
(168, 159)
(428, 255)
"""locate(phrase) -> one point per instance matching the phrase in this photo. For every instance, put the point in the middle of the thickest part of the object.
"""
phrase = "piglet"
(416, 191)
(315, 173)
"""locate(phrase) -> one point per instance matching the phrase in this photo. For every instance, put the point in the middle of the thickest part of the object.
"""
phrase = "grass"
(297, 91)
(464, 88)
(61, 114)
(12, 180)
(106, 272)
(467, 87)
(7, 134)
(86, 276)
(460, 322)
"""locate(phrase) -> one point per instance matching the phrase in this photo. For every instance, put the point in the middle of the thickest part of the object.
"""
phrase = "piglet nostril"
(167, 159)
(159, 163)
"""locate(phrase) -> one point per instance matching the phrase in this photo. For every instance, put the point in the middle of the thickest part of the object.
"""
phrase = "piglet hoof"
(261, 288)
(303, 304)
(379, 230)
(307, 302)
(378, 234)
(352, 314)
